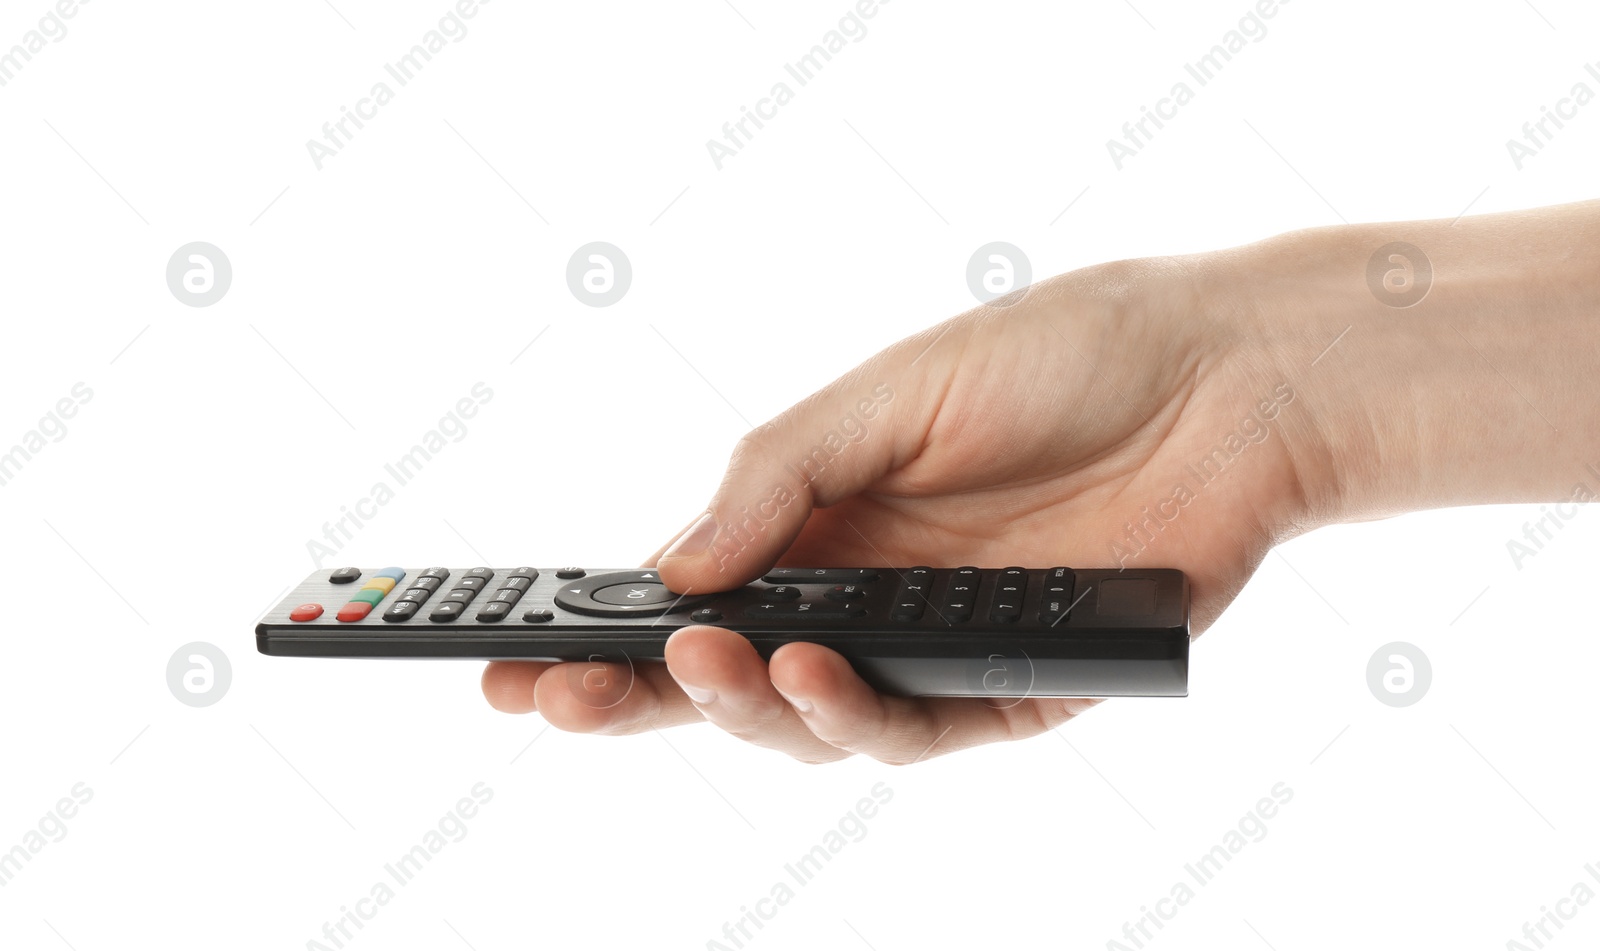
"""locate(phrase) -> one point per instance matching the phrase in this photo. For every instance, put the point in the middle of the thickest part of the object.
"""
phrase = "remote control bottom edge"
(1013, 674)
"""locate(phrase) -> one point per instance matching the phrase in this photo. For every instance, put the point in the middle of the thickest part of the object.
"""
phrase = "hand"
(1032, 434)
(1186, 413)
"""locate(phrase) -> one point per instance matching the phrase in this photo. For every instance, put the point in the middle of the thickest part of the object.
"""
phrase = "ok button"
(644, 593)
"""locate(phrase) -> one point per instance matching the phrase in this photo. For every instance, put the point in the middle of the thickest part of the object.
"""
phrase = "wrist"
(1455, 375)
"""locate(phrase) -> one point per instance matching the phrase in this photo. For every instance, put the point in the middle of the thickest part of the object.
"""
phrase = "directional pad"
(623, 594)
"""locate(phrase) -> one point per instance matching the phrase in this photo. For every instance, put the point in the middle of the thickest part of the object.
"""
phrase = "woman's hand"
(1183, 412)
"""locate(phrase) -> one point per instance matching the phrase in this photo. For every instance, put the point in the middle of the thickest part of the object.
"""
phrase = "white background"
(371, 295)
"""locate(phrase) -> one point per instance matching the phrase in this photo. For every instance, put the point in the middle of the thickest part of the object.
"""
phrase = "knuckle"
(754, 447)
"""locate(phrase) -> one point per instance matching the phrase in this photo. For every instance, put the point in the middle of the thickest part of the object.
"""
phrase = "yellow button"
(385, 585)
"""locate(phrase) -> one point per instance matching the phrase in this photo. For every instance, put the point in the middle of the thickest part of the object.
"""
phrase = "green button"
(369, 595)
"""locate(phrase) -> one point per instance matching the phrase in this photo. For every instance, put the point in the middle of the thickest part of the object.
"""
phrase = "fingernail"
(804, 706)
(695, 539)
(698, 694)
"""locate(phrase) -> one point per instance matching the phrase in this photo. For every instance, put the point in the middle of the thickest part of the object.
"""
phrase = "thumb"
(826, 448)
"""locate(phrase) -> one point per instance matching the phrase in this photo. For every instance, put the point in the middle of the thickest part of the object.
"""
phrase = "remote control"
(920, 631)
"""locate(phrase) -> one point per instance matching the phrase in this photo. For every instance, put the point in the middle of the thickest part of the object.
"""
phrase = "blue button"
(398, 574)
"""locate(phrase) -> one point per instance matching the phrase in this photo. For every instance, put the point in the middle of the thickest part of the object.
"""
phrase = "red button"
(306, 612)
(354, 611)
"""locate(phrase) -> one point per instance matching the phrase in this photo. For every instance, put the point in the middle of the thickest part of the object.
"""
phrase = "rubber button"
(446, 611)
(706, 615)
(306, 612)
(783, 592)
(369, 595)
(401, 611)
(393, 574)
(963, 584)
(485, 573)
(355, 611)
(642, 593)
(538, 616)
(345, 575)
(379, 583)
(910, 610)
(532, 574)
(1008, 592)
(494, 611)
(569, 572)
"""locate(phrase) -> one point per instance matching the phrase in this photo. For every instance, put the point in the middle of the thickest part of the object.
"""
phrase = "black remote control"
(955, 632)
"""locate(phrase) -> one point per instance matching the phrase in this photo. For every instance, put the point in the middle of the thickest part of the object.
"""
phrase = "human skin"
(1034, 433)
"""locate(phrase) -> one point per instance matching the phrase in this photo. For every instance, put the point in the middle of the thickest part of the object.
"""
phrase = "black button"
(485, 573)
(822, 610)
(820, 576)
(443, 574)
(1008, 590)
(416, 595)
(906, 610)
(1006, 611)
(344, 575)
(446, 611)
(783, 592)
(494, 611)
(429, 582)
(1057, 598)
(401, 611)
(963, 584)
(916, 580)
(518, 582)
(538, 615)
(913, 594)
(641, 593)
(460, 595)
(532, 574)
(706, 615)
(507, 596)
(843, 592)
(569, 572)
(961, 596)
(474, 582)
